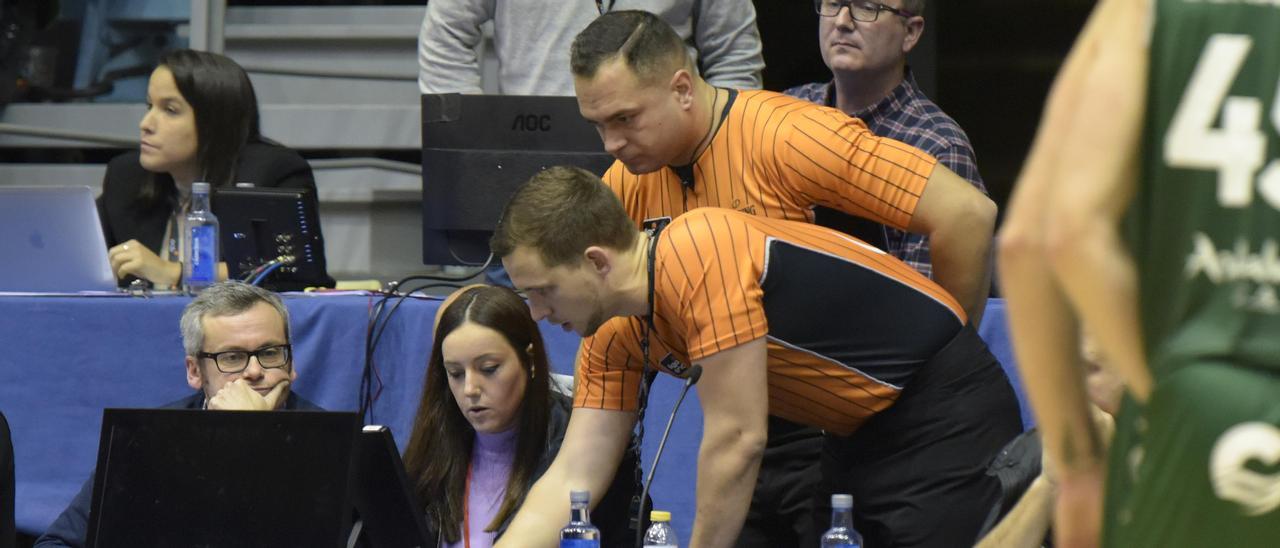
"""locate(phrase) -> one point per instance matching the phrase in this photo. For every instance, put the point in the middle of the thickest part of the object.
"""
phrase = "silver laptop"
(51, 241)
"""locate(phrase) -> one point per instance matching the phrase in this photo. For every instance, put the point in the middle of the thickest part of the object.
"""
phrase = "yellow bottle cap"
(659, 515)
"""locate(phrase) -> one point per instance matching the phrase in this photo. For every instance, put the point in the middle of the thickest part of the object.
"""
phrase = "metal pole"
(208, 25)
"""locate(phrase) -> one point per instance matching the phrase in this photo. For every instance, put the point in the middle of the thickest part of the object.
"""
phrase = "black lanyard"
(647, 375)
(654, 228)
(602, 8)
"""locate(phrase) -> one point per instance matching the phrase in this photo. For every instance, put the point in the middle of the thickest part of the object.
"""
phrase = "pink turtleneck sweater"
(491, 459)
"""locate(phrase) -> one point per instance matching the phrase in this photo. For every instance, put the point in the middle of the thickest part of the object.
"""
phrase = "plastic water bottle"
(579, 533)
(841, 533)
(200, 242)
(660, 534)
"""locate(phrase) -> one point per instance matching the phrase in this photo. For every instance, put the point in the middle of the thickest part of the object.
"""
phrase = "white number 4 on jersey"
(1238, 148)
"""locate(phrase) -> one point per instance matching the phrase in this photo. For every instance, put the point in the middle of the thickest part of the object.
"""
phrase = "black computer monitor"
(476, 149)
(384, 500)
(177, 477)
(262, 224)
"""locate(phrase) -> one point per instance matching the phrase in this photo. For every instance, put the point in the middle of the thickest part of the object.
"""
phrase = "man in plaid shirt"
(865, 44)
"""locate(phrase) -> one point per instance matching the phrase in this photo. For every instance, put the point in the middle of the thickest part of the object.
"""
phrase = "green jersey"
(1206, 215)
(1205, 226)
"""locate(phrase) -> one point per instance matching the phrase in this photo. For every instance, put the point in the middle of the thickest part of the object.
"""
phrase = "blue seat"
(995, 331)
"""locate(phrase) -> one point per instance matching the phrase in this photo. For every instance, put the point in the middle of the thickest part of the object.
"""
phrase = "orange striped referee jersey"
(777, 156)
(838, 353)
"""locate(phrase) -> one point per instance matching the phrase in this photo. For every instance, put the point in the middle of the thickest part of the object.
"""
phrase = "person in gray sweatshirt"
(532, 39)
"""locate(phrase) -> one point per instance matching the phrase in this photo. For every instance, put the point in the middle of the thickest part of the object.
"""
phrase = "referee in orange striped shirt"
(682, 143)
(913, 404)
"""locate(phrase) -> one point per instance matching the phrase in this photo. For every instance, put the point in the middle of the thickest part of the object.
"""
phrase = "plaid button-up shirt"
(908, 116)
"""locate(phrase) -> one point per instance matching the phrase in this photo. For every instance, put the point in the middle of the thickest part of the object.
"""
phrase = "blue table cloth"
(64, 359)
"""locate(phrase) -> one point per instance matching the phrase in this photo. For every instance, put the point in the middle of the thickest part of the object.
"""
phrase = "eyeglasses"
(235, 361)
(858, 9)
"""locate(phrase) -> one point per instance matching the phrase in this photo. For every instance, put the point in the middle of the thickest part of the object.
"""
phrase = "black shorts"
(917, 471)
(788, 509)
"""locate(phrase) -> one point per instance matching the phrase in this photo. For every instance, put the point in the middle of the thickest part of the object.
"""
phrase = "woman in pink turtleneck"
(489, 423)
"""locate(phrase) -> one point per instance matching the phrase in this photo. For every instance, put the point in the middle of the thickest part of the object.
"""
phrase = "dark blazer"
(613, 514)
(72, 527)
(263, 164)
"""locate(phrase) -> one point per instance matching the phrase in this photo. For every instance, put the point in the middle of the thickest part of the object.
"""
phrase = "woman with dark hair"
(201, 124)
(490, 423)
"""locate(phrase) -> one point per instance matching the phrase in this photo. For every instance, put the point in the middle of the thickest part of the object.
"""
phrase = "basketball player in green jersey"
(1150, 209)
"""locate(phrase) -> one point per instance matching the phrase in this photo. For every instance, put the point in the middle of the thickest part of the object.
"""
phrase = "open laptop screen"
(169, 477)
(51, 241)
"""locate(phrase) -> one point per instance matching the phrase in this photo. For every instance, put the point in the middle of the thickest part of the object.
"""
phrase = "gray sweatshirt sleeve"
(728, 43)
(447, 60)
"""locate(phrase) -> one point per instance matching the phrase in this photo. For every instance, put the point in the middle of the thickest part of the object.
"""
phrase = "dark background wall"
(987, 63)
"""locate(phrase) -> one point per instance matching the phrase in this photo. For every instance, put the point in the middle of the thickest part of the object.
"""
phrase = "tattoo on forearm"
(1076, 454)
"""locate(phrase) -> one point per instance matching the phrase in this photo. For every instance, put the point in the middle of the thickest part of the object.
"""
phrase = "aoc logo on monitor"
(531, 122)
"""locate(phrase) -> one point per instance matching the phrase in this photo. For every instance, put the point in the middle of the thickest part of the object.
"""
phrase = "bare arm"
(1028, 522)
(588, 458)
(1094, 112)
(134, 259)
(1026, 525)
(1088, 201)
(959, 221)
(734, 395)
(1044, 233)
(830, 159)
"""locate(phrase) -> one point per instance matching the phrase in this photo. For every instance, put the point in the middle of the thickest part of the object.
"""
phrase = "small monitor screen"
(476, 149)
(259, 225)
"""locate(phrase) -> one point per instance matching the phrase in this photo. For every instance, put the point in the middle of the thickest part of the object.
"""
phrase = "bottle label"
(579, 543)
(204, 252)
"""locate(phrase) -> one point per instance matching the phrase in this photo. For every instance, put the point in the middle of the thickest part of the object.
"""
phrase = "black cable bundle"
(370, 380)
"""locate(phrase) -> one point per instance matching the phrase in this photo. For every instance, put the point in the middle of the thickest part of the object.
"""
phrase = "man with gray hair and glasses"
(865, 44)
(236, 338)
(238, 354)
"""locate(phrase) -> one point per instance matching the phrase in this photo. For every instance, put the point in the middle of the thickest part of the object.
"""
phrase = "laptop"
(179, 477)
(390, 514)
(51, 241)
